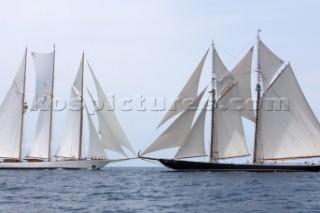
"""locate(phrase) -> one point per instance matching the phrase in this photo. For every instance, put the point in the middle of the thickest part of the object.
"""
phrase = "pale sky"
(150, 48)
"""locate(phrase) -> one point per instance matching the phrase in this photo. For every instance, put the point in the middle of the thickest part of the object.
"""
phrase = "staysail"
(11, 112)
(112, 133)
(96, 148)
(173, 136)
(291, 131)
(44, 65)
(69, 145)
(193, 143)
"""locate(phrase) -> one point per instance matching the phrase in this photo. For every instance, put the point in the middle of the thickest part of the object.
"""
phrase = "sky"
(150, 48)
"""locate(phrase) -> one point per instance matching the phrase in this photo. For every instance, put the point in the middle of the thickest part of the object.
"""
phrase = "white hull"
(83, 164)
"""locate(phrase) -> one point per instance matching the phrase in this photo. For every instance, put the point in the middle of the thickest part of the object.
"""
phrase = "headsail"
(43, 63)
(173, 136)
(96, 149)
(189, 91)
(292, 131)
(109, 126)
(11, 112)
(193, 144)
(108, 139)
(69, 144)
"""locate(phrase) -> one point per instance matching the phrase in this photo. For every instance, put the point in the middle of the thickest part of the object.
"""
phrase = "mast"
(51, 104)
(213, 144)
(257, 145)
(81, 111)
(23, 107)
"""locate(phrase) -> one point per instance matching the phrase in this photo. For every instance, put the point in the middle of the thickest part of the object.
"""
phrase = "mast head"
(258, 34)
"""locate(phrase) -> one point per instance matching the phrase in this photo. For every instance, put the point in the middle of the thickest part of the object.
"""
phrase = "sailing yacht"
(292, 132)
(69, 154)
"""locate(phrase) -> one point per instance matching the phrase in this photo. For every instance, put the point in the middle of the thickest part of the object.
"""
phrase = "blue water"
(157, 190)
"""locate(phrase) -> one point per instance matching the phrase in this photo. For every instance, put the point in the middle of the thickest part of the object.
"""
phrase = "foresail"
(108, 139)
(189, 91)
(110, 128)
(173, 136)
(10, 116)
(193, 144)
(242, 74)
(229, 132)
(69, 143)
(96, 149)
(43, 63)
(288, 129)
(269, 64)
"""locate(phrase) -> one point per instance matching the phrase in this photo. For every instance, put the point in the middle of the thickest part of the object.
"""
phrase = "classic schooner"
(69, 154)
(291, 132)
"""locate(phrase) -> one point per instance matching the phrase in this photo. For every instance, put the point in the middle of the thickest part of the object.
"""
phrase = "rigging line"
(238, 55)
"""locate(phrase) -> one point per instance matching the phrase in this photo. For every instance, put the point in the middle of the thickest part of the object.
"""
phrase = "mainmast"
(51, 103)
(81, 111)
(23, 106)
(213, 143)
(257, 145)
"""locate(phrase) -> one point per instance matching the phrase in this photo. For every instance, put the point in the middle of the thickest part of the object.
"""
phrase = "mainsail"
(44, 67)
(70, 143)
(11, 115)
(112, 133)
(292, 131)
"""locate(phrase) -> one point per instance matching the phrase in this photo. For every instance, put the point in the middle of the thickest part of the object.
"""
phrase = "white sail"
(189, 91)
(193, 144)
(242, 74)
(110, 128)
(96, 149)
(43, 63)
(229, 132)
(108, 139)
(220, 71)
(293, 131)
(269, 64)
(10, 116)
(69, 144)
(173, 136)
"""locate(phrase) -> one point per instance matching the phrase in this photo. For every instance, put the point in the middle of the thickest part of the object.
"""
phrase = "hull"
(224, 167)
(82, 164)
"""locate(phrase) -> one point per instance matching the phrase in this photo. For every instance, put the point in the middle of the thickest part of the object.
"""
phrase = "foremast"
(213, 144)
(51, 103)
(23, 105)
(257, 152)
(81, 109)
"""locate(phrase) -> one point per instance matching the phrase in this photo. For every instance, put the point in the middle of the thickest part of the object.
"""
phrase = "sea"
(157, 189)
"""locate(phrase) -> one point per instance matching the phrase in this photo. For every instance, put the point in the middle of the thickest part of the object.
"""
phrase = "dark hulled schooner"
(291, 132)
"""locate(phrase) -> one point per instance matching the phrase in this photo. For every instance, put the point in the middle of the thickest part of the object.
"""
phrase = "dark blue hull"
(181, 165)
